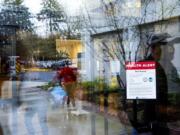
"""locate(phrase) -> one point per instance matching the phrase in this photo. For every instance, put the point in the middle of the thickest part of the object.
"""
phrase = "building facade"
(120, 35)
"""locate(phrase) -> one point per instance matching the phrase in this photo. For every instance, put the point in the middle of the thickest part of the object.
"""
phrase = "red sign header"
(140, 65)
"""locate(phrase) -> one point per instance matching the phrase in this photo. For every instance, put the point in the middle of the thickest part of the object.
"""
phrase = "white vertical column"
(89, 65)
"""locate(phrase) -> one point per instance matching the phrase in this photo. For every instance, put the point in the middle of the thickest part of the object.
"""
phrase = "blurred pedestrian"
(155, 110)
(36, 107)
(68, 78)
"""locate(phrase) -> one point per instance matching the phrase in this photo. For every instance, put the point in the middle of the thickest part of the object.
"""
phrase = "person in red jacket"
(68, 78)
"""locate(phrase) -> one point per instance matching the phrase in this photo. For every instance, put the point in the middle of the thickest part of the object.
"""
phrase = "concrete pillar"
(89, 65)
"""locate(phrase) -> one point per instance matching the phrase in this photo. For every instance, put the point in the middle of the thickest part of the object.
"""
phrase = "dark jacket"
(154, 111)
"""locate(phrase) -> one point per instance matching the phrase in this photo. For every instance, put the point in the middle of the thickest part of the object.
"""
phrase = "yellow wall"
(72, 47)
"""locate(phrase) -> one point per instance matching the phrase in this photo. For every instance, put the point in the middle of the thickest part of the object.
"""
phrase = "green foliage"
(97, 85)
(47, 49)
(15, 17)
(47, 87)
(38, 47)
(26, 42)
(52, 13)
(14, 2)
(87, 85)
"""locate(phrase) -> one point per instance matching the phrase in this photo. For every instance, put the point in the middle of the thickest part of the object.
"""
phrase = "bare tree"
(127, 26)
(70, 28)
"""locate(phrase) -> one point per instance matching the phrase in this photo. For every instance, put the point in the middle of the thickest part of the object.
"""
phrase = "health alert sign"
(141, 80)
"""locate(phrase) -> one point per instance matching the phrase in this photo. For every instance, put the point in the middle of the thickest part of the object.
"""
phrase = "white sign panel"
(141, 80)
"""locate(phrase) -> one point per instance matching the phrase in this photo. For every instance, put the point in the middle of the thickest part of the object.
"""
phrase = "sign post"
(141, 80)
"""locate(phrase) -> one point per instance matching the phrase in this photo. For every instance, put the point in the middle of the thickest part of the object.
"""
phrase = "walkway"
(36, 116)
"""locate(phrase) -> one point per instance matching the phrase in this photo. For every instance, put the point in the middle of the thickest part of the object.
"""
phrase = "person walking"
(68, 78)
(155, 110)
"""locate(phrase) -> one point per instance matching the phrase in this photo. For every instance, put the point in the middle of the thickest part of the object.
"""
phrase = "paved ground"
(37, 116)
(39, 75)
